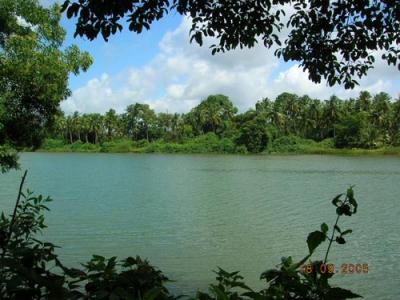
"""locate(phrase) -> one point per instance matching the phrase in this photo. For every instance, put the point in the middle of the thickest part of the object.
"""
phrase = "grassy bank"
(297, 145)
(212, 144)
(203, 144)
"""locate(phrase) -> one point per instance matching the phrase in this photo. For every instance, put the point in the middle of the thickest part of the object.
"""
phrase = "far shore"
(125, 146)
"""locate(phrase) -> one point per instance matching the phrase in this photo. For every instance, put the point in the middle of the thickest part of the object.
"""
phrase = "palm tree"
(287, 104)
(70, 127)
(164, 125)
(213, 113)
(95, 125)
(178, 127)
(364, 102)
(110, 123)
(130, 121)
(264, 106)
(76, 123)
(380, 110)
(331, 114)
(303, 123)
(315, 114)
(60, 126)
(394, 123)
(85, 126)
(278, 120)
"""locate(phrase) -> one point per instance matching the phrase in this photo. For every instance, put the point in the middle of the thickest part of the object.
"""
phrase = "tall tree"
(85, 123)
(286, 104)
(164, 126)
(331, 115)
(364, 102)
(111, 123)
(380, 111)
(350, 132)
(70, 128)
(315, 115)
(60, 126)
(394, 121)
(214, 114)
(265, 109)
(289, 114)
(140, 121)
(77, 125)
(304, 123)
(96, 125)
(34, 70)
(253, 135)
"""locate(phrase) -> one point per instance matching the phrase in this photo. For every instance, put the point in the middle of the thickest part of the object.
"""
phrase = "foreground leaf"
(314, 239)
(339, 293)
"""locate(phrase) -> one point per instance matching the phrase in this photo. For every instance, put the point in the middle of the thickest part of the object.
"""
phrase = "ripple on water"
(190, 214)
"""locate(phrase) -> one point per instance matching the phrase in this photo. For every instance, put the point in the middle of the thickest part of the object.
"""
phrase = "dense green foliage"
(290, 124)
(334, 40)
(34, 70)
(31, 269)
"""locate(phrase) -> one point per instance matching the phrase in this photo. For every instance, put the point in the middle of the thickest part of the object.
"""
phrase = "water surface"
(191, 213)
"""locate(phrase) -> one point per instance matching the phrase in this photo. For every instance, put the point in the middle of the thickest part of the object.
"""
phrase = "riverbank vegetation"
(34, 69)
(368, 124)
(35, 66)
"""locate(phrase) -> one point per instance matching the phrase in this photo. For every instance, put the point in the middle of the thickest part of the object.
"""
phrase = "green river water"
(189, 214)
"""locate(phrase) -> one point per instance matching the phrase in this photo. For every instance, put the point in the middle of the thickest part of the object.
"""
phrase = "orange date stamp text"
(345, 268)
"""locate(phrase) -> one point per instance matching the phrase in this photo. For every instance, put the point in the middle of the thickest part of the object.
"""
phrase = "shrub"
(49, 144)
(117, 146)
(254, 135)
(354, 131)
(295, 144)
(241, 149)
(141, 143)
(327, 143)
(284, 144)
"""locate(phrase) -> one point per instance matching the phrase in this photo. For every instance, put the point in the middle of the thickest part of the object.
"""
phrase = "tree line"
(368, 121)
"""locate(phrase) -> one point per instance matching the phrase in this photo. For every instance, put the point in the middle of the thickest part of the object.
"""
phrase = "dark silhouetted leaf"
(339, 293)
(336, 200)
(324, 228)
(314, 239)
(340, 240)
(347, 231)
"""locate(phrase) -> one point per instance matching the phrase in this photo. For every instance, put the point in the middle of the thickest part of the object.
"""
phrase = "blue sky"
(122, 51)
(160, 67)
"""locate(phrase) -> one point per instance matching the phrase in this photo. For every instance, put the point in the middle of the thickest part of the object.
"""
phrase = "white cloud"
(175, 91)
(182, 74)
(381, 78)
